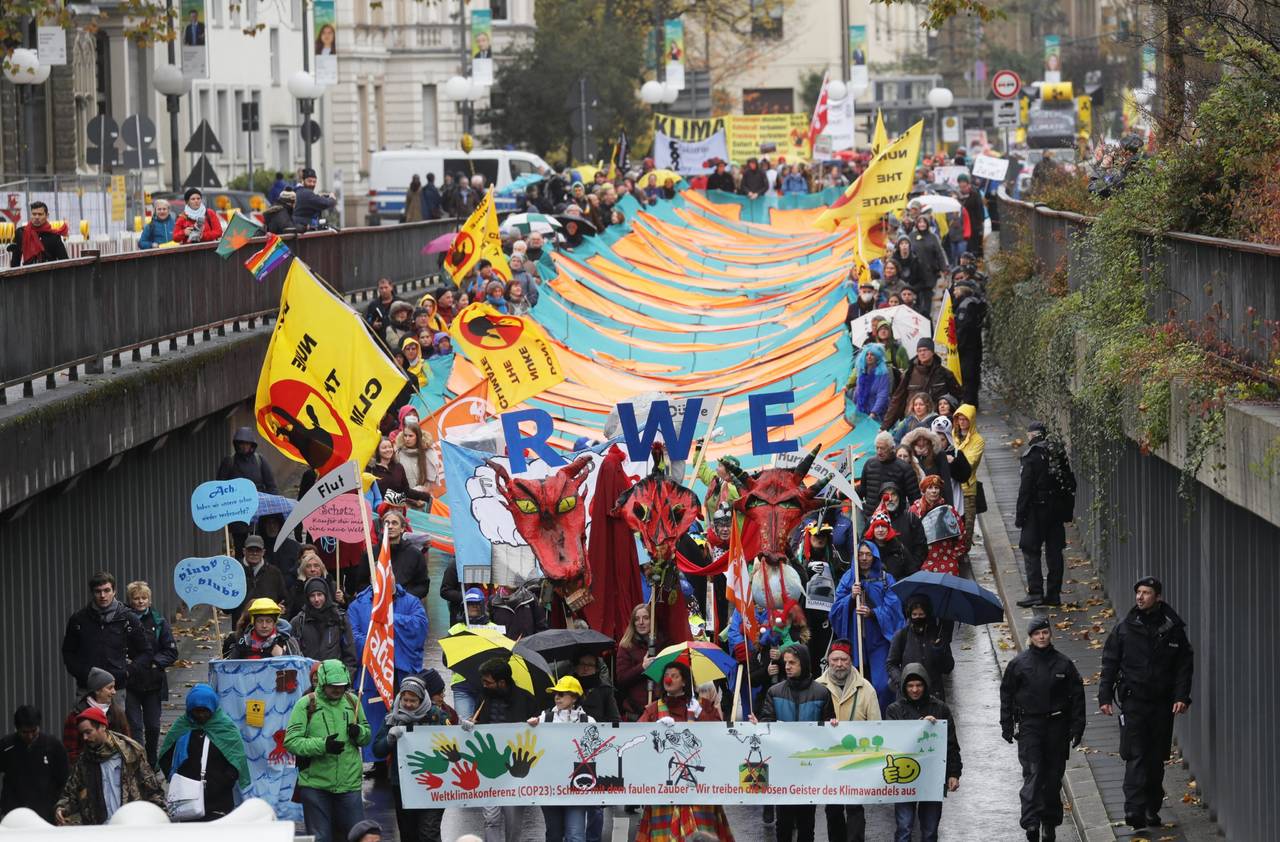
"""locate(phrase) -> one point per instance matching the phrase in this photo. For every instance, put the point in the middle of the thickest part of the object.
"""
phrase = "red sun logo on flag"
(492, 333)
(847, 196)
(300, 421)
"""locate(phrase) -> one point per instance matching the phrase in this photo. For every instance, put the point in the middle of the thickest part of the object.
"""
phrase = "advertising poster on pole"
(1052, 58)
(326, 46)
(673, 41)
(858, 56)
(482, 46)
(195, 50)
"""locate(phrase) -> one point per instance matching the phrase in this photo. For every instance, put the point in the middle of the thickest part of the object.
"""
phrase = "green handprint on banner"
(489, 761)
(420, 762)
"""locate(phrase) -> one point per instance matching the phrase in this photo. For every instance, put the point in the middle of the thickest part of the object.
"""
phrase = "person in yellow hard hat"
(564, 822)
(260, 634)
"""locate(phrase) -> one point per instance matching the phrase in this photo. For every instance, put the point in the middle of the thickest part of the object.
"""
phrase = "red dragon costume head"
(660, 511)
(551, 514)
(774, 501)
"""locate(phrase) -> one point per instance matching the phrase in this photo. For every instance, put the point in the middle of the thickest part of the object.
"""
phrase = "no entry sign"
(1006, 84)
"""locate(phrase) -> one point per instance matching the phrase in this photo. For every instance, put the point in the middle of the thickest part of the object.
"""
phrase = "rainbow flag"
(273, 254)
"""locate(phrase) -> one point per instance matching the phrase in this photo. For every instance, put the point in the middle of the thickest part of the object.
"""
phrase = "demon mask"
(551, 514)
(660, 510)
(774, 501)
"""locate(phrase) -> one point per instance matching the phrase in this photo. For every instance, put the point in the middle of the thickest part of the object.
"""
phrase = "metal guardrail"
(1224, 291)
(73, 313)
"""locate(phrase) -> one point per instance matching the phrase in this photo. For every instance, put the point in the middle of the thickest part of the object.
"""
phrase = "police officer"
(1042, 697)
(1046, 498)
(1146, 667)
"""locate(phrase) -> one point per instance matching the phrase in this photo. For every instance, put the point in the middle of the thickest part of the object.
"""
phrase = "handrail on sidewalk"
(74, 313)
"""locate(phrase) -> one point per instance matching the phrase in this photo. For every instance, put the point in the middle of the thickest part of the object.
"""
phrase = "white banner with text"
(680, 763)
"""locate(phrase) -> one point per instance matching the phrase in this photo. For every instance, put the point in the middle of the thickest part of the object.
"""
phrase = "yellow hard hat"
(567, 684)
(263, 605)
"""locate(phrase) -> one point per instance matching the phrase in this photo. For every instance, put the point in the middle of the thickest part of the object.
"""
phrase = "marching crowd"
(861, 654)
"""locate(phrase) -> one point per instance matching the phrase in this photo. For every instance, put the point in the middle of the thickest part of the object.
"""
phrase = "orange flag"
(738, 584)
(379, 657)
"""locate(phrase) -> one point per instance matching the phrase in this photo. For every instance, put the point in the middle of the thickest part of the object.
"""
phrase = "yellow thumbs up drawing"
(900, 770)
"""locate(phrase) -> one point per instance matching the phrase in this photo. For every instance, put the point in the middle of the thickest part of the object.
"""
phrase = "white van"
(391, 171)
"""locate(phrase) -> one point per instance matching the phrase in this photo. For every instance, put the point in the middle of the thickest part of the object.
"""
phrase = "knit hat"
(192, 191)
(315, 585)
(287, 197)
(925, 342)
(930, 481)
(98, 678)
(93, 714)
(433, 682)
(1149, 582)
(415, 685)
(363, 829)
(842, 646)
(1038, 624)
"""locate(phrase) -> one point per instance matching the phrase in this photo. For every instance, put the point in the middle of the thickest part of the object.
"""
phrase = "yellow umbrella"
(469, 643)
(662, 175)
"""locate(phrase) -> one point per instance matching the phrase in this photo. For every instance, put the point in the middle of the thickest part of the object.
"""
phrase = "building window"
(499, 9)
(766, 18)
(275, 56)
(378, 105)
(362, 98)
(240, 138)
(768, 100)
(215, 12)
(251, 11)
(430, 118)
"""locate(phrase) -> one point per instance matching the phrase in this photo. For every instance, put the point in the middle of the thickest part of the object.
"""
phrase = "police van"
(391, 171)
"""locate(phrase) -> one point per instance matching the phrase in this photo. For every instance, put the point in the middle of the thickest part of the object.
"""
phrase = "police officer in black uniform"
(1046, 500)
(1147, 666)
(1042, 705)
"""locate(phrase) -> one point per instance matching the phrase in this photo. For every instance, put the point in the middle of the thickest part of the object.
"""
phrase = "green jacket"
(313, 719)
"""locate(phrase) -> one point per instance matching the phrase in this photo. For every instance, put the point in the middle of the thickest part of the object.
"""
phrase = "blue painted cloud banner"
(681, 763)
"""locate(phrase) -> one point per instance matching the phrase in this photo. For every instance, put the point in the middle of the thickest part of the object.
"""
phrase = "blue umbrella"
(953, 598)
(274, 504)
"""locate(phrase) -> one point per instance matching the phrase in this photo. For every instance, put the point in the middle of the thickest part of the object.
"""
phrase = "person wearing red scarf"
(39, 241)
(196, 223)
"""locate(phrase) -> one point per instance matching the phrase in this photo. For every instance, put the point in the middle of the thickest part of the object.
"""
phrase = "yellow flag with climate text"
(880, 139)
(512, 353)
(944, 338)
(478, 238)
(882, 189)
(325, 383)
(491, 243)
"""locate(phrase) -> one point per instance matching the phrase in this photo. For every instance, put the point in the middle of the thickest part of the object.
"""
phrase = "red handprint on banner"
(465, 776)
(429, 780)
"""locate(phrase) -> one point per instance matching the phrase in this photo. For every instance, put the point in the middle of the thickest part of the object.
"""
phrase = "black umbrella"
(585, 225)
(565, 644)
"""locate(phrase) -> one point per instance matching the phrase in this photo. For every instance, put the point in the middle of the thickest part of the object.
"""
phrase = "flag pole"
(368, 546)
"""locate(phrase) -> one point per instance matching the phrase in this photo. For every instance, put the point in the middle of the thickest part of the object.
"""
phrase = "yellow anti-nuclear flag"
(512, 352)
(325, 383)
(944, 338)
(478, 238)
(491, 243)
(879, 140)
(883, 188)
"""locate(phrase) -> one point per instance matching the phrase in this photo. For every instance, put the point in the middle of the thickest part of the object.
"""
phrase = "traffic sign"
(1006, 84)
(1004, 114)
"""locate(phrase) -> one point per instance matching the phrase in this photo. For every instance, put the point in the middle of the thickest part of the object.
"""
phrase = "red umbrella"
(442, 243)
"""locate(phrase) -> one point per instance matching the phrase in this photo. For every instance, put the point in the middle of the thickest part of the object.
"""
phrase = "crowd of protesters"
(868, 656)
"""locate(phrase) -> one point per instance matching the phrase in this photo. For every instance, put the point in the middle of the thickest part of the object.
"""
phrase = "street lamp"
(168, 80)
(938, 98)
(305, 89)
(837, 91)
(465, 90)
(25, 70)
(651, 92)
(670, 93)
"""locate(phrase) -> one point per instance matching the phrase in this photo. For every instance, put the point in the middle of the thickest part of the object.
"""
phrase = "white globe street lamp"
(25, 71)
(305, 89)
(651, 92)
(938, 98)
(670, 93)
(837, 91)
(168, 80)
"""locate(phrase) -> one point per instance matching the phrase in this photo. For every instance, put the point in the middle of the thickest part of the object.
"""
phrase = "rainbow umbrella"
(704, 669)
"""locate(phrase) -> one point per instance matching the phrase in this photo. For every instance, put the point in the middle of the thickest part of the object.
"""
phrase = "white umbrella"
(938, 204)
(908, 326)
(529, 223)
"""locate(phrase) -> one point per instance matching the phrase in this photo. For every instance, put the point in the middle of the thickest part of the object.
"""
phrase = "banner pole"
(702, 451)
(746, 663)
(737, 695)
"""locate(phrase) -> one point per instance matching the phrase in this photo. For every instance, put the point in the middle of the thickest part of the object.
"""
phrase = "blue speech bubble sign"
(216, 580)
(215, 504)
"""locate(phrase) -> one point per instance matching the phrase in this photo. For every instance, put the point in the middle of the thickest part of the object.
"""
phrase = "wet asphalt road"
(985, 809)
